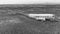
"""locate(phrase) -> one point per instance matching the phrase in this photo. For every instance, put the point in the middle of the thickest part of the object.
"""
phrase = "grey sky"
(28, 1)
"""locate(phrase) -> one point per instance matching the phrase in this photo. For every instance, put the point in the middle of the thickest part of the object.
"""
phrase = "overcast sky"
(28, 1)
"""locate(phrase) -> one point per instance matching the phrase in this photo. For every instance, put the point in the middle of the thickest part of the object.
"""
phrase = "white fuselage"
(42, 16)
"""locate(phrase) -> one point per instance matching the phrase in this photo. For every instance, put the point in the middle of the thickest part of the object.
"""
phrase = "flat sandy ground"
(12, 21)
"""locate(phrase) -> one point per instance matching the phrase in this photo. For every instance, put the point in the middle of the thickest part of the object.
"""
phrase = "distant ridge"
(29, 5)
